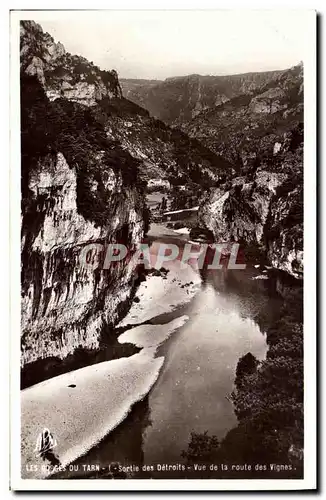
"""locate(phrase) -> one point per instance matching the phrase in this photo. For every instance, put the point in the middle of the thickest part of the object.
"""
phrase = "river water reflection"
(227, 319)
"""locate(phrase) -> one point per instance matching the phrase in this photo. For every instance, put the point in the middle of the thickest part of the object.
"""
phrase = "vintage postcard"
(163, 176)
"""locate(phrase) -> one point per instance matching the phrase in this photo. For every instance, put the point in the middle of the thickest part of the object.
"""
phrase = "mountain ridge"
(165, 99)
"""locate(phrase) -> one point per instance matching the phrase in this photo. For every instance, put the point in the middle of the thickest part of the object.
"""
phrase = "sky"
(161, 44)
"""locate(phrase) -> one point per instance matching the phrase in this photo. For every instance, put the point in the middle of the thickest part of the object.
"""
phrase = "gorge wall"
(263, 210)
(262, 206)
(78, 188)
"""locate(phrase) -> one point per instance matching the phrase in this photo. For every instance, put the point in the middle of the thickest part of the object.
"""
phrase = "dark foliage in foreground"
(268, 401)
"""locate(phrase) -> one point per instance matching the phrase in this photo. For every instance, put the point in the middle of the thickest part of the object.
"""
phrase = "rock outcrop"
(62, 74)
(264, 208)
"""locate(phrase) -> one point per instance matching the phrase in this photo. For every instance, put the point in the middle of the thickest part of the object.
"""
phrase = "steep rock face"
(264, 209)
(241, 212)
(63, 74)
(65, 304)
(78, 188)
(284, 242)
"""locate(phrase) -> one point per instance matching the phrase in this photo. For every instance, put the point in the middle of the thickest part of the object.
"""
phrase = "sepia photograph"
(161, 214)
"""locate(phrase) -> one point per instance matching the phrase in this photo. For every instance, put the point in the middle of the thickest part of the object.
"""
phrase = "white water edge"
(182, 230)
(159, 295)
(152, 335)
(79, 417)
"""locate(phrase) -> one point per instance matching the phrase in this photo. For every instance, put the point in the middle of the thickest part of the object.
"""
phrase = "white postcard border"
(309, 481)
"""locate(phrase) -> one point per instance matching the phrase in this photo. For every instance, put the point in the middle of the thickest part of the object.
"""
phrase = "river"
(228, 318)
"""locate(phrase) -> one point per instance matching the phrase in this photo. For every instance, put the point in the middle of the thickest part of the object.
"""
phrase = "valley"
(132, 367)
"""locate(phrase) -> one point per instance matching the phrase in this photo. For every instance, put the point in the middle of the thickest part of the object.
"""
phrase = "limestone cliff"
(78, 188)
(263, 210)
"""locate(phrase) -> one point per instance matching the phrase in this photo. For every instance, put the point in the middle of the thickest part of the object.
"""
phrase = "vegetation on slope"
(166, 152)
(72, 129)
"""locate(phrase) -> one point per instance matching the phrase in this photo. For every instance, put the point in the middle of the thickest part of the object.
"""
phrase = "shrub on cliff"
(247, 365)
(37, 132)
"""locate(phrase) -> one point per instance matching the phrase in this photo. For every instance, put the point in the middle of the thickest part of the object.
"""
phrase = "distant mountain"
(250, 124)
(136, 89)
(179, 99)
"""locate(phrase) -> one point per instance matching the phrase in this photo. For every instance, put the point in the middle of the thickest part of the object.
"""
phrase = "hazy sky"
(159, 44)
